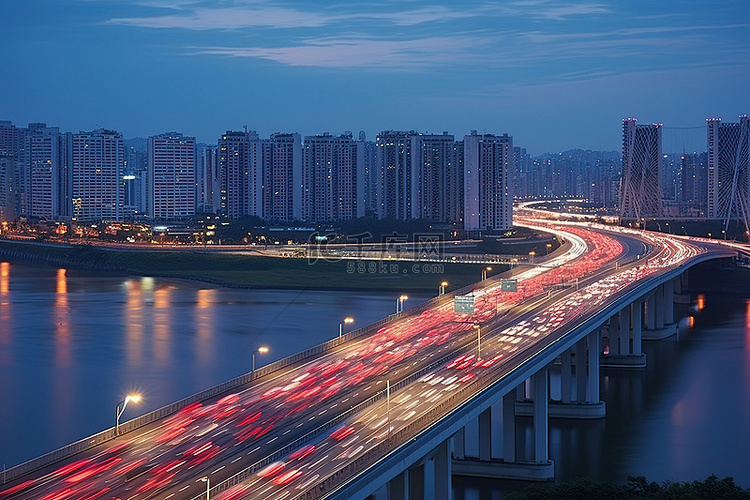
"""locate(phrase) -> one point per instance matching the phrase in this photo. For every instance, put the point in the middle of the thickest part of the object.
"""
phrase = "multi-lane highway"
(284, 434)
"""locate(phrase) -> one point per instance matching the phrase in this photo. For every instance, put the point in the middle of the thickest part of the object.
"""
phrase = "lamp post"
(484, 272)
(206, 480)
(261, 350)
(400, 303)
(120, 409)
(549, 246)
(532, 254)
(441, 290)
(388, 402)
(724, 233)
(479, 344)
(341, 325)
(669, 229)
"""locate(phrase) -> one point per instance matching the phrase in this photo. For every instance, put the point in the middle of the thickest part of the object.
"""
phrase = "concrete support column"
(637, 326)
(415, 480)
(659, 309)
(651, 312)
(614, 334)
(580, 350)
(398, 487)
(624, 339)
(595, 349)
(669, 302)
(429, 478)
(521, 391)
(443, 472)
(485, 435)
(509, 427)
(459, 444)
(566, 374)
(678, 284)
(541, 416)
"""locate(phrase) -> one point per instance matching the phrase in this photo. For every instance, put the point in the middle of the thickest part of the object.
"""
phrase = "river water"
(72, 344)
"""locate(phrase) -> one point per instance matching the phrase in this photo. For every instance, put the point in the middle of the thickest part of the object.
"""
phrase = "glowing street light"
(206, 480)
(348, 321)
(532, 254)
(261, 350)
(484, 272)
(442, 287)
(400, 303)
(549, 247)
(120, 409)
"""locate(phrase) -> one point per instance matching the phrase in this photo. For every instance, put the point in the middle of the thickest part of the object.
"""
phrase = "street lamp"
(400, 303)
(724, 233)
(531, 256)
(261, 350)
(479, 344)
(120, 408)
(206, 480)
(442, 287)
(549, 246)
(341, 325)
(709, 235)
(484, 272)
(669, 229)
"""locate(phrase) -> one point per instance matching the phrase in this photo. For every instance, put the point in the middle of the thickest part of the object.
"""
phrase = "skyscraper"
(44, 172)
(431, 157)
(333, 184)
(454, 188)
(207, 179)
(640, 192)
(235, 161)
(488, 200)
(395, 169)
(282, 161)
(694, 184)
(171, 177)
(97, 165)
(728, 163)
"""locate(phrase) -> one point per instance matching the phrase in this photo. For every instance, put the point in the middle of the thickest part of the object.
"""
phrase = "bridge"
(385, 408)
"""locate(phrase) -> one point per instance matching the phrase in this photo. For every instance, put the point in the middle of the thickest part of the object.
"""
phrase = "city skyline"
(556, 74)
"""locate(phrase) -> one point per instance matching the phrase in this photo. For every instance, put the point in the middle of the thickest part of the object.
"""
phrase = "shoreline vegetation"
(712, 488)
(239, 271)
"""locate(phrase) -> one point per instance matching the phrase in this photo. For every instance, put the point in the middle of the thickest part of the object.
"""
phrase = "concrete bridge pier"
(430, 478)
(625, 336)
(537, 468)
(660, 307)
(579, 383)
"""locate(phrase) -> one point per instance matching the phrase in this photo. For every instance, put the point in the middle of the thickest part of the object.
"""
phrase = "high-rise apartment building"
(207, 179)
(641, 192)
(454, 185)
(693, 184)
(283, 190)
(395, 172)
(728, 170)
(44, 172)
(171, 166)
(488, 200)
(333, 184)
(431, 162)
(235, 161)
(97, 165)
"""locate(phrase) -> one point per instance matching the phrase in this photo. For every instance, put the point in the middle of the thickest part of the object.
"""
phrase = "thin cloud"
(363, 53)
(229, 19)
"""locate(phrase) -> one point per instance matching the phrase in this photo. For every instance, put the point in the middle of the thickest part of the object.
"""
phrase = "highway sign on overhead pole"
(463, 304)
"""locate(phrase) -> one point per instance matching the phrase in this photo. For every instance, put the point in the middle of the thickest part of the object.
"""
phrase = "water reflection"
(6, 328)
(204, 320)
(162, 324)
(133, 323)
(62, 321)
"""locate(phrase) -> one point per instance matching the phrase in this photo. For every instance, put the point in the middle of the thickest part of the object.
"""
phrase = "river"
(73, 343)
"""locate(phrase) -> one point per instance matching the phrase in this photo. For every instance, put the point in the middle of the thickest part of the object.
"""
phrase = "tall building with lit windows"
(282, 188)
(333, 184)
(171, 166)
(641, 185)
(729, 170)
(207, 179)
(431, 157)
(235, 163)
(394, 165)
(488, 199)
(97, 162)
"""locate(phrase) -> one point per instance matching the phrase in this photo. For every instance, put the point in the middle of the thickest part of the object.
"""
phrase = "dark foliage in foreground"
(712, 488)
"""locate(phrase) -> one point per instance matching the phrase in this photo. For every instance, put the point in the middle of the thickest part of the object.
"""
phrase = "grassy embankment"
(252, 272)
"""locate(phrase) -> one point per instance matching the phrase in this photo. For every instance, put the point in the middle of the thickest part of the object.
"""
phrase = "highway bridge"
(384, 408)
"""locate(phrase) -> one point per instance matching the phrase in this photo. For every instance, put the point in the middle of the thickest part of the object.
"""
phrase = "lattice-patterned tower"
(640, 189)
(728, 176)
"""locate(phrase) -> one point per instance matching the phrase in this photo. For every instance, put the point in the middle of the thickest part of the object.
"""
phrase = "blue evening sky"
(553, 74)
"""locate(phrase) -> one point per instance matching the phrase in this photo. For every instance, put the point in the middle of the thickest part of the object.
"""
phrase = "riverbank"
(250, 271)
